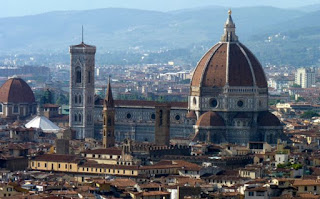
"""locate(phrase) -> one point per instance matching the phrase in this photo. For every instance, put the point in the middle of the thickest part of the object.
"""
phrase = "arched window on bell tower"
(79, 117)
(75, 117)
(80, 99)
(78, 74)
(75, 99)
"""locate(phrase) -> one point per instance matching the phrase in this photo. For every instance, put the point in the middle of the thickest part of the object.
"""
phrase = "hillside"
(186, 34)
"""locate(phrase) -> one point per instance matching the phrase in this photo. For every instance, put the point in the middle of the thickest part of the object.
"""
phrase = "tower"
(305, 77)
(108, 119)
(162, 124)
(82, 90)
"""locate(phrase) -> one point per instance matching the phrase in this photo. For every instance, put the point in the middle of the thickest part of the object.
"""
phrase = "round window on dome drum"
(153, 116)
(129, 116)
(214, 103)
(240, 103)
(177, 117)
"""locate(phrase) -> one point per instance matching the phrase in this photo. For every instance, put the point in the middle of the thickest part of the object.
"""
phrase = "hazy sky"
(29, 7)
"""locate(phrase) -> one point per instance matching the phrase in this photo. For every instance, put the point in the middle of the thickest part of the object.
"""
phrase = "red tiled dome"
(268, 119)
(16, 90)
(210, 119)
(229, 63)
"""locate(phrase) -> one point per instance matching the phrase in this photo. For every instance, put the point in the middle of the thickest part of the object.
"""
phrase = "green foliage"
(297, 166)
(281, 166)
(309, 115)
(274, 102)
(289, 165)
(185, 81)
(301, 99)
(47, 97)
(62, 99)
(296, 85)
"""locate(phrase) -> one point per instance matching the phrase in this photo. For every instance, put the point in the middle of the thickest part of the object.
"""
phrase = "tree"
(62, 99)
(296, 85)
(309, 115)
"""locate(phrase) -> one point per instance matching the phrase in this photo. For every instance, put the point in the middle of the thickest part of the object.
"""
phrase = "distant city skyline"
(10, 8)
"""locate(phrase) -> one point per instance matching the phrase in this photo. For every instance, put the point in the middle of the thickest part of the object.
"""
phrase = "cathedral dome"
(16, 90)
(230, 63)
(210, 119)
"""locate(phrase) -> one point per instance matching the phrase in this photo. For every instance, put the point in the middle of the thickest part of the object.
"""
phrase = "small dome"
(16, 90)
(210, 119)
(268, 119)
(191, 115)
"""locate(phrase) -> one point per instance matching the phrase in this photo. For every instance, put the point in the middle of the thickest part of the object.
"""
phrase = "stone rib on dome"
(210, 119)
(16, 90)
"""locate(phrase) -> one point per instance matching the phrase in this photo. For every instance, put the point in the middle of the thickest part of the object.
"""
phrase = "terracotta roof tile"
(237, 66)
(16, 90)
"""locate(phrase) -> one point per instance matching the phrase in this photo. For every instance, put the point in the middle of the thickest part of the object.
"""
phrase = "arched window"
(80, 118)
(78, 75)
(75, 118)
(1, 108)
(160, 118)
(89, 77)
(80, 99)
(75, 99)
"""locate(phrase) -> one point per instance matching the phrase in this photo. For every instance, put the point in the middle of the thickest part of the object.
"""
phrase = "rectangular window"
(260, 193)
(65, 166)
(1, 108)
(251, 193)
(305, 188)
(38, 164)
(59, 166)
(15, 109)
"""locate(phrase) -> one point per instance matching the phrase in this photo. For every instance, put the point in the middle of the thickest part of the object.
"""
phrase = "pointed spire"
(109, 99)
(82, 35)
(229, 30)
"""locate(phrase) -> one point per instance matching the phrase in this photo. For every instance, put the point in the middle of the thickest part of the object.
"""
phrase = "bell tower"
(82, 90)
(108, 119)
(162, 124)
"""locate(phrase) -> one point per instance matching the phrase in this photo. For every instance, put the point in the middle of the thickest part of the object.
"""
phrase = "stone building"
(16, 99)
(228, 102)
(229, 95)
(82, 90)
